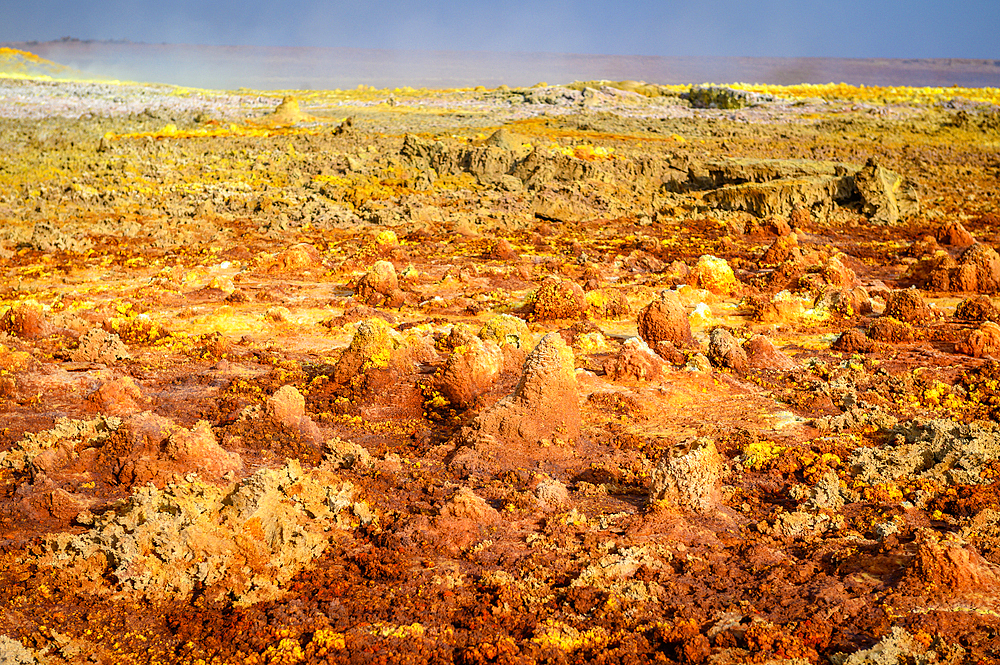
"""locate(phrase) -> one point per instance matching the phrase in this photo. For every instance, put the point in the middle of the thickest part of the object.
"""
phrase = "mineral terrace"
(591, 373)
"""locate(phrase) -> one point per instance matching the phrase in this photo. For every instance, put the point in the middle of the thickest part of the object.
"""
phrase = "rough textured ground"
(554, 375)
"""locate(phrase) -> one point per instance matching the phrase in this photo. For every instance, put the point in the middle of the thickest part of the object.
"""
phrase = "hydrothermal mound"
(604, 372)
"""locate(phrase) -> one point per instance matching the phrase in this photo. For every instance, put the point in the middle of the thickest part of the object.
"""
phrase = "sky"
(763, 28)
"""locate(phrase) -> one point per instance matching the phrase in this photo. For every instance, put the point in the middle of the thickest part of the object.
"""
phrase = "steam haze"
(448, 42)
(768, 28)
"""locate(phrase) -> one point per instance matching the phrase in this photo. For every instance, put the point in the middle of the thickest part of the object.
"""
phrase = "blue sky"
(779, 28)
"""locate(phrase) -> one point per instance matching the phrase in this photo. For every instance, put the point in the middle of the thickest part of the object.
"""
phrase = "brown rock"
(552, 493)
(548, 381)
(779, 226)
(287, 407)
(99, 346)
(670, 353)
(147, 431)
(779, 307)
(906, 305)
(977, 308)
(557, 299)
(800, 218)
(65, 505)
(118, 397)
(926, 246)
(785, 248)
(853, 341)
(665, 320)
(890, 330)
(378, 284)
(198, 448)
(470, 371)
(846, 302)
(956, 235)
(503, 251)
(950, 569)
(688, 476)
(677, 273)
(540, 418)
(297, 258)
(979, 270)
(466, 504)
(837, 274)
(976, 270)
(14, 361)
(26, 320)
(635, 361)
(982, 342)
(725, 351)
(762, 354)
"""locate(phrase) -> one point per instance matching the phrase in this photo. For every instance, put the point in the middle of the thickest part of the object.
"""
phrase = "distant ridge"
(283, 68)
(15, 63)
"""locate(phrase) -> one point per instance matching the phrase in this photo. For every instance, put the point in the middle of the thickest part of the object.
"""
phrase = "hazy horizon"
(665, 28)
(230, 67)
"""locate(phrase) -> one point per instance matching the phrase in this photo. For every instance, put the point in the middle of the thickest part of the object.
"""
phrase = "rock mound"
(470, 371)
(890, 330)
(951, 570)
(26, 320)
(899, 646)
(982, 342)
(714, 274)
(906, 305)
(540, 419)
(853, 341)
(372, 346)
(505, 329)
(557, 299)
(635, 361)
(380, 285)
(288, 113)
(118, 396)
(723, 97)
(774, 187)
(977, 308)
(687, 477)
(151, 448)
(244, 540)
(99, 346)
(725, 351)
(977, 270)
(886, 197)
(467, 505)
(762, 354)
(942, 451)
(956, 235)
(665, 320)
(198, 450)
(302, 257)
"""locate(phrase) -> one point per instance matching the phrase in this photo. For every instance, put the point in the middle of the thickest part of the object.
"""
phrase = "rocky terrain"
(598, 372)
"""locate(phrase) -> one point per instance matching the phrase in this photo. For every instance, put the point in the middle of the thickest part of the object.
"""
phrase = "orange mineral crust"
(605, 372)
